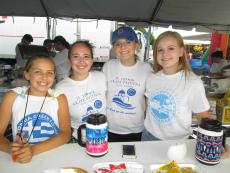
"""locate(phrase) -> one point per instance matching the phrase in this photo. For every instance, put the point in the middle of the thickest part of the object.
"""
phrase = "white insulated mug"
(96, 135)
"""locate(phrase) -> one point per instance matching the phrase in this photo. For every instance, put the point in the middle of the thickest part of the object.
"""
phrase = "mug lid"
(211, 125)
(96, 119)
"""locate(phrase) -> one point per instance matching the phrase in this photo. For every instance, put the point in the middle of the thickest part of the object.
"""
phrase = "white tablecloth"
(148, 153)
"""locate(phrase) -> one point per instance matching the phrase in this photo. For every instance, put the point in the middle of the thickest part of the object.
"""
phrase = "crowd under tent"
(205, 15)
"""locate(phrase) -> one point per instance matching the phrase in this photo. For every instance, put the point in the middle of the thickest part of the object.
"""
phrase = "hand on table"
(226, 153)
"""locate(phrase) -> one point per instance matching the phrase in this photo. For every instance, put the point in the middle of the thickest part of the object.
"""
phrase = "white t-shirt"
(84, 97)
(125, 96)
(20, 62)
(216, 67)
(47, 124)
(171, 101)
(62, 65)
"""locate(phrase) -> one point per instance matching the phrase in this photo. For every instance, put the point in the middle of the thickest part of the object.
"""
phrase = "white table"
(73, 155)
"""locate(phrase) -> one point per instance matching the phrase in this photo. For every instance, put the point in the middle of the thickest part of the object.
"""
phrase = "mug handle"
(224, 138)
(79, 135)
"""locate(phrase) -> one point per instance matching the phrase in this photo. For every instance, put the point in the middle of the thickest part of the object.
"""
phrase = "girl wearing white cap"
(126, 77)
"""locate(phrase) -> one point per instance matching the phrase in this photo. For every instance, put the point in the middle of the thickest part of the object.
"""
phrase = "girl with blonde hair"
(174, 92)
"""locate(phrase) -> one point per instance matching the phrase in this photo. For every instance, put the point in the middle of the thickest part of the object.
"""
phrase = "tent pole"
(48, 27)
(147, 47)
(47, 17)
(78, 30)
(54, 28)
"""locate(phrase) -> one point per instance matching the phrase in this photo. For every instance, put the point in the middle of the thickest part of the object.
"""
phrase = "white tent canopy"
(205, 15)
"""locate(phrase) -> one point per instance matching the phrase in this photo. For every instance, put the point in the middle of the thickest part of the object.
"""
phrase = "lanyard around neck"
(20, 135)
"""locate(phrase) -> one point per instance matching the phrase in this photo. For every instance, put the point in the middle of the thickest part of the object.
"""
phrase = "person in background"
(39, 114)
(61, 58)
(49, 44)
(84, 89)
(226, 71)
(217, 63)
(126, 77)
(27, 39)
(173, 92)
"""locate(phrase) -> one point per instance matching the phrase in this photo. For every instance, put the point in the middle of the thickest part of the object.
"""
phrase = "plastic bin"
(195, 62)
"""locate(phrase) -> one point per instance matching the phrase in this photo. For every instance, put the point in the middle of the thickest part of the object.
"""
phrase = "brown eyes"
(78, 58)
(40, 73)
(168, 49)
(122, 44)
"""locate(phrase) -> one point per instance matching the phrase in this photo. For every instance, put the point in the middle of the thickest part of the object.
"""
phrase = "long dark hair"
(62, 40)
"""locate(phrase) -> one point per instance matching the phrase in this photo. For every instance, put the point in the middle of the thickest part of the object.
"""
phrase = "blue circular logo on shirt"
(162, 106)
(131, 92)
(98, 104)
(43, 124)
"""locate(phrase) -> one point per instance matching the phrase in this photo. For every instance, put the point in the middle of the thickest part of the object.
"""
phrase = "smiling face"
(125, 51)
(41, 76)
(81, 61)
(168, 54)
